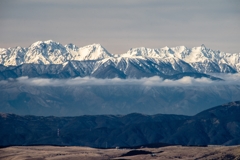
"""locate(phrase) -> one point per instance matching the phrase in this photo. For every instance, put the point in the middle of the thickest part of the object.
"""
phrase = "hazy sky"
(121, 25)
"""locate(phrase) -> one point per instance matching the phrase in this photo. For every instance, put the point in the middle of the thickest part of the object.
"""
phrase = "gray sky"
(121, 25)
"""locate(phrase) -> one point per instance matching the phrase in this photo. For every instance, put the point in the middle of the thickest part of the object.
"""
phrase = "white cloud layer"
(232, 79)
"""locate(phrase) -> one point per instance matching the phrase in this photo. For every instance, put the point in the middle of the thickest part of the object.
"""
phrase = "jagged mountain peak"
(203, 46)
(96, 47)
(141, 51)
(165, 48)
(89, 52)
(149, 52)
(202, 50)
(71, 46)
(47, 42)
(179, 48)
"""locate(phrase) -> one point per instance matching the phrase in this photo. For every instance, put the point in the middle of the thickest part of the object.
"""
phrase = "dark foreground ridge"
(216, 126)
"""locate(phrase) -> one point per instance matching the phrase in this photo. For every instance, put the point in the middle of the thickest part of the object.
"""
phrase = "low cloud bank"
(233, 79)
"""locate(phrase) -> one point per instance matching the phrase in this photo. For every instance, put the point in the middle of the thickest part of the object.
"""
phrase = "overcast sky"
(121, 25)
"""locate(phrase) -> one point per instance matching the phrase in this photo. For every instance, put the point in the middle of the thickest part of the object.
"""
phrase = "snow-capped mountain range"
(95, 59)
(50, 52)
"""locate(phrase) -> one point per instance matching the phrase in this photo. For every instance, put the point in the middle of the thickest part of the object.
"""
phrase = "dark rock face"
(216, 126)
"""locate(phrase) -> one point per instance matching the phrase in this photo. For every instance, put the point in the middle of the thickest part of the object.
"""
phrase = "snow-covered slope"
(90, 52)
(50, 52)
(12, 56)
(179, 58)
(201, 58)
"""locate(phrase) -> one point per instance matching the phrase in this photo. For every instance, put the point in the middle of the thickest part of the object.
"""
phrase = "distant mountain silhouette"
(24, 99)
(216, 126)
